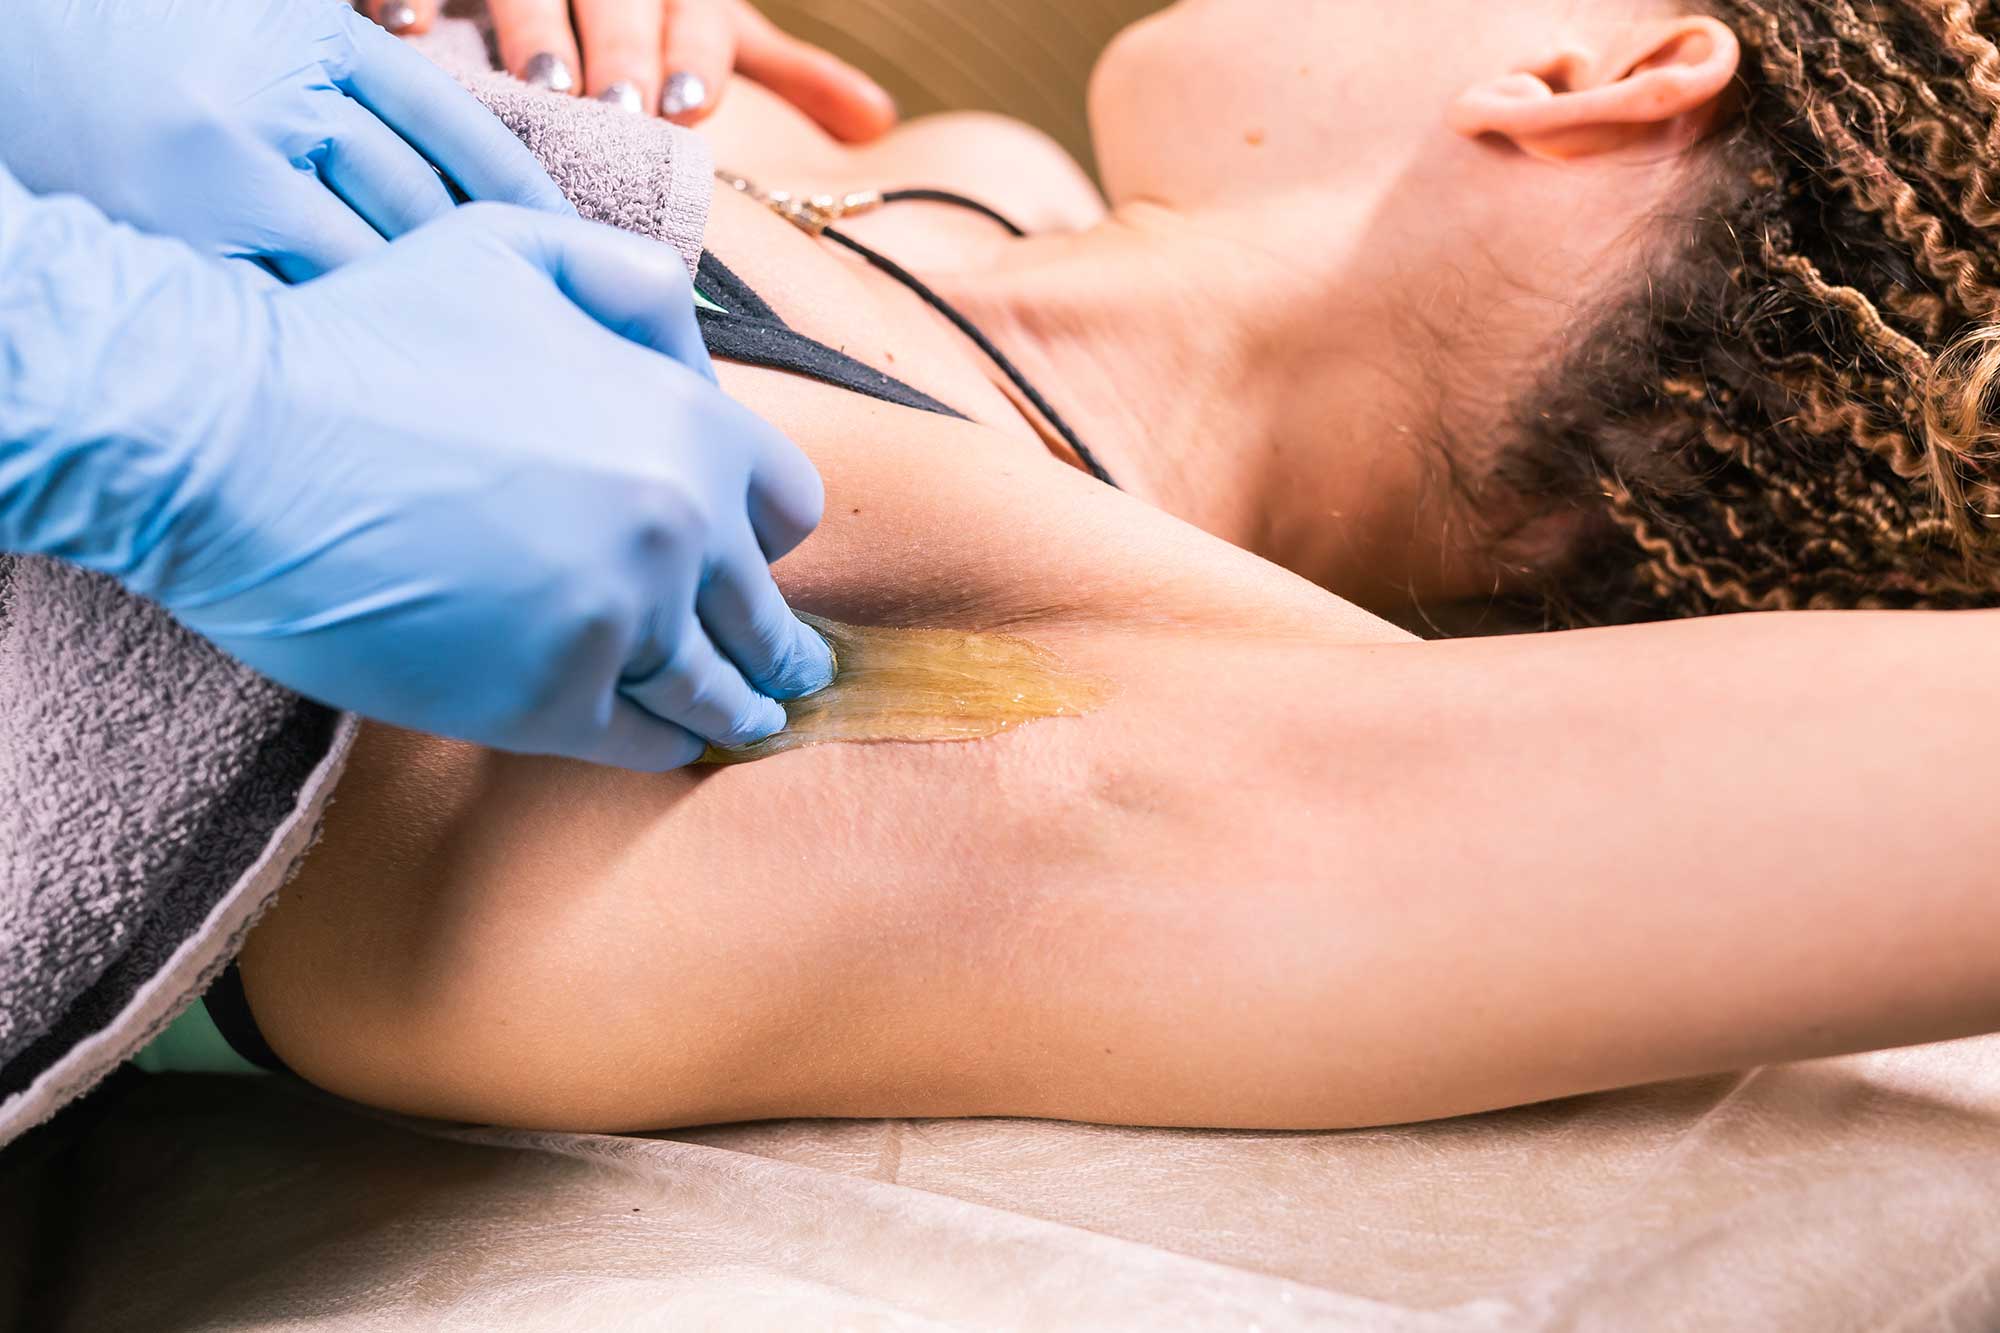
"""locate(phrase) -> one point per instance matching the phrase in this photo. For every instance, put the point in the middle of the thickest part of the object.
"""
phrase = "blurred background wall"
(1028, 58)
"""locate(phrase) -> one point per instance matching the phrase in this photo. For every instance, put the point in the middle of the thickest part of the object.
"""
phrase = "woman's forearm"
(1456, 876)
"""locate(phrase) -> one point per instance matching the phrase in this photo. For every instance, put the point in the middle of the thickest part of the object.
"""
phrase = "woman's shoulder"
(1002, 162)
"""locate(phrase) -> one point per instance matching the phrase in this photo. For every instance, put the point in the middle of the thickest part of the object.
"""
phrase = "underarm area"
(846, 930)
(1024, 923)
(1125, 915)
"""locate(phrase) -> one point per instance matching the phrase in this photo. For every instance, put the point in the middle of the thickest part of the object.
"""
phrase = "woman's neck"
(1198, 364)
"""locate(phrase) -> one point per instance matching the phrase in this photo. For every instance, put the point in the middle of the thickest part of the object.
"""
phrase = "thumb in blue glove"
(291, 132)
(478, 485)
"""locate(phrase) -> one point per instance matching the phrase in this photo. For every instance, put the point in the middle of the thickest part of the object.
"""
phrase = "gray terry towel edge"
(194, 964)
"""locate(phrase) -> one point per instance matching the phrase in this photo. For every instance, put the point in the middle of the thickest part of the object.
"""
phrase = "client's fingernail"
(398, 17)
(549, 71)
(624, 96)
(684, 92)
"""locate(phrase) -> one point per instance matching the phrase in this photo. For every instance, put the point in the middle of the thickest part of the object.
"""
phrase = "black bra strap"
(229, 1009)
(752, 333)
(978, 336)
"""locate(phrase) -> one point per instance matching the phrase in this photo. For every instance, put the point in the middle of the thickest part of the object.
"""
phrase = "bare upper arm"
(556, 919)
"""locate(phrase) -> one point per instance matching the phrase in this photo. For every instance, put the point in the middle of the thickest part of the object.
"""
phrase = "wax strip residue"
(925, 685)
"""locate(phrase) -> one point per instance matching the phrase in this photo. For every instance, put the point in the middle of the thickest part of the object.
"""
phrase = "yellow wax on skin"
(924, 685)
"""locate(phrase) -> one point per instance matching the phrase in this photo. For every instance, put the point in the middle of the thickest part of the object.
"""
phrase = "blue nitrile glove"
(436, 487)
(294, 132)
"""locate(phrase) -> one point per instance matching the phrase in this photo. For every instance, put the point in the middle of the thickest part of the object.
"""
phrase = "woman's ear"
(1662, 87)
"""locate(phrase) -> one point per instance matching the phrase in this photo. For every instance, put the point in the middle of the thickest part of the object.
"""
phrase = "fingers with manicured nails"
(698, 55)
(405, 18)
(536, 44)
(847, 103)
(637, 288)
(621, 51)
(382, 178)
(693, 686)
(447, 125)
(747, 618)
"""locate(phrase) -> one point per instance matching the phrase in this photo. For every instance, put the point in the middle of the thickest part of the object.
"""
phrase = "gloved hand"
(294, 132)
(437, 487)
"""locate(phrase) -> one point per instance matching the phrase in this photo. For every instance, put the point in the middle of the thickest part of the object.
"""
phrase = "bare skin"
(1300, 871)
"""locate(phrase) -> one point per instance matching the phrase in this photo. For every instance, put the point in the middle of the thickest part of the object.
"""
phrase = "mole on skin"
(924, 685)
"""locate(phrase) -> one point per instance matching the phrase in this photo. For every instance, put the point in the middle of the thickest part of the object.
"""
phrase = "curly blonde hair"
(1803, 408)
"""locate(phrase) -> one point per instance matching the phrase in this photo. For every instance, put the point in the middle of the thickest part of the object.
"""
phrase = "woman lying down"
(1616, 312)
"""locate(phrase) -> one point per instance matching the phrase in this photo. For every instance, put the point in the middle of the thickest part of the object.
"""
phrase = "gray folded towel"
(631, 171)
(154, 795)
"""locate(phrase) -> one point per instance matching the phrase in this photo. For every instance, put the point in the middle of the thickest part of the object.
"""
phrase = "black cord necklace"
(816, 214)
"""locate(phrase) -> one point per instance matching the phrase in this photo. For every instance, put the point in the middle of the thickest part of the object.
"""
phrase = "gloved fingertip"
(809, 669)
(765, 719)
(676, 753)
(770, 722)
(642, 743)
